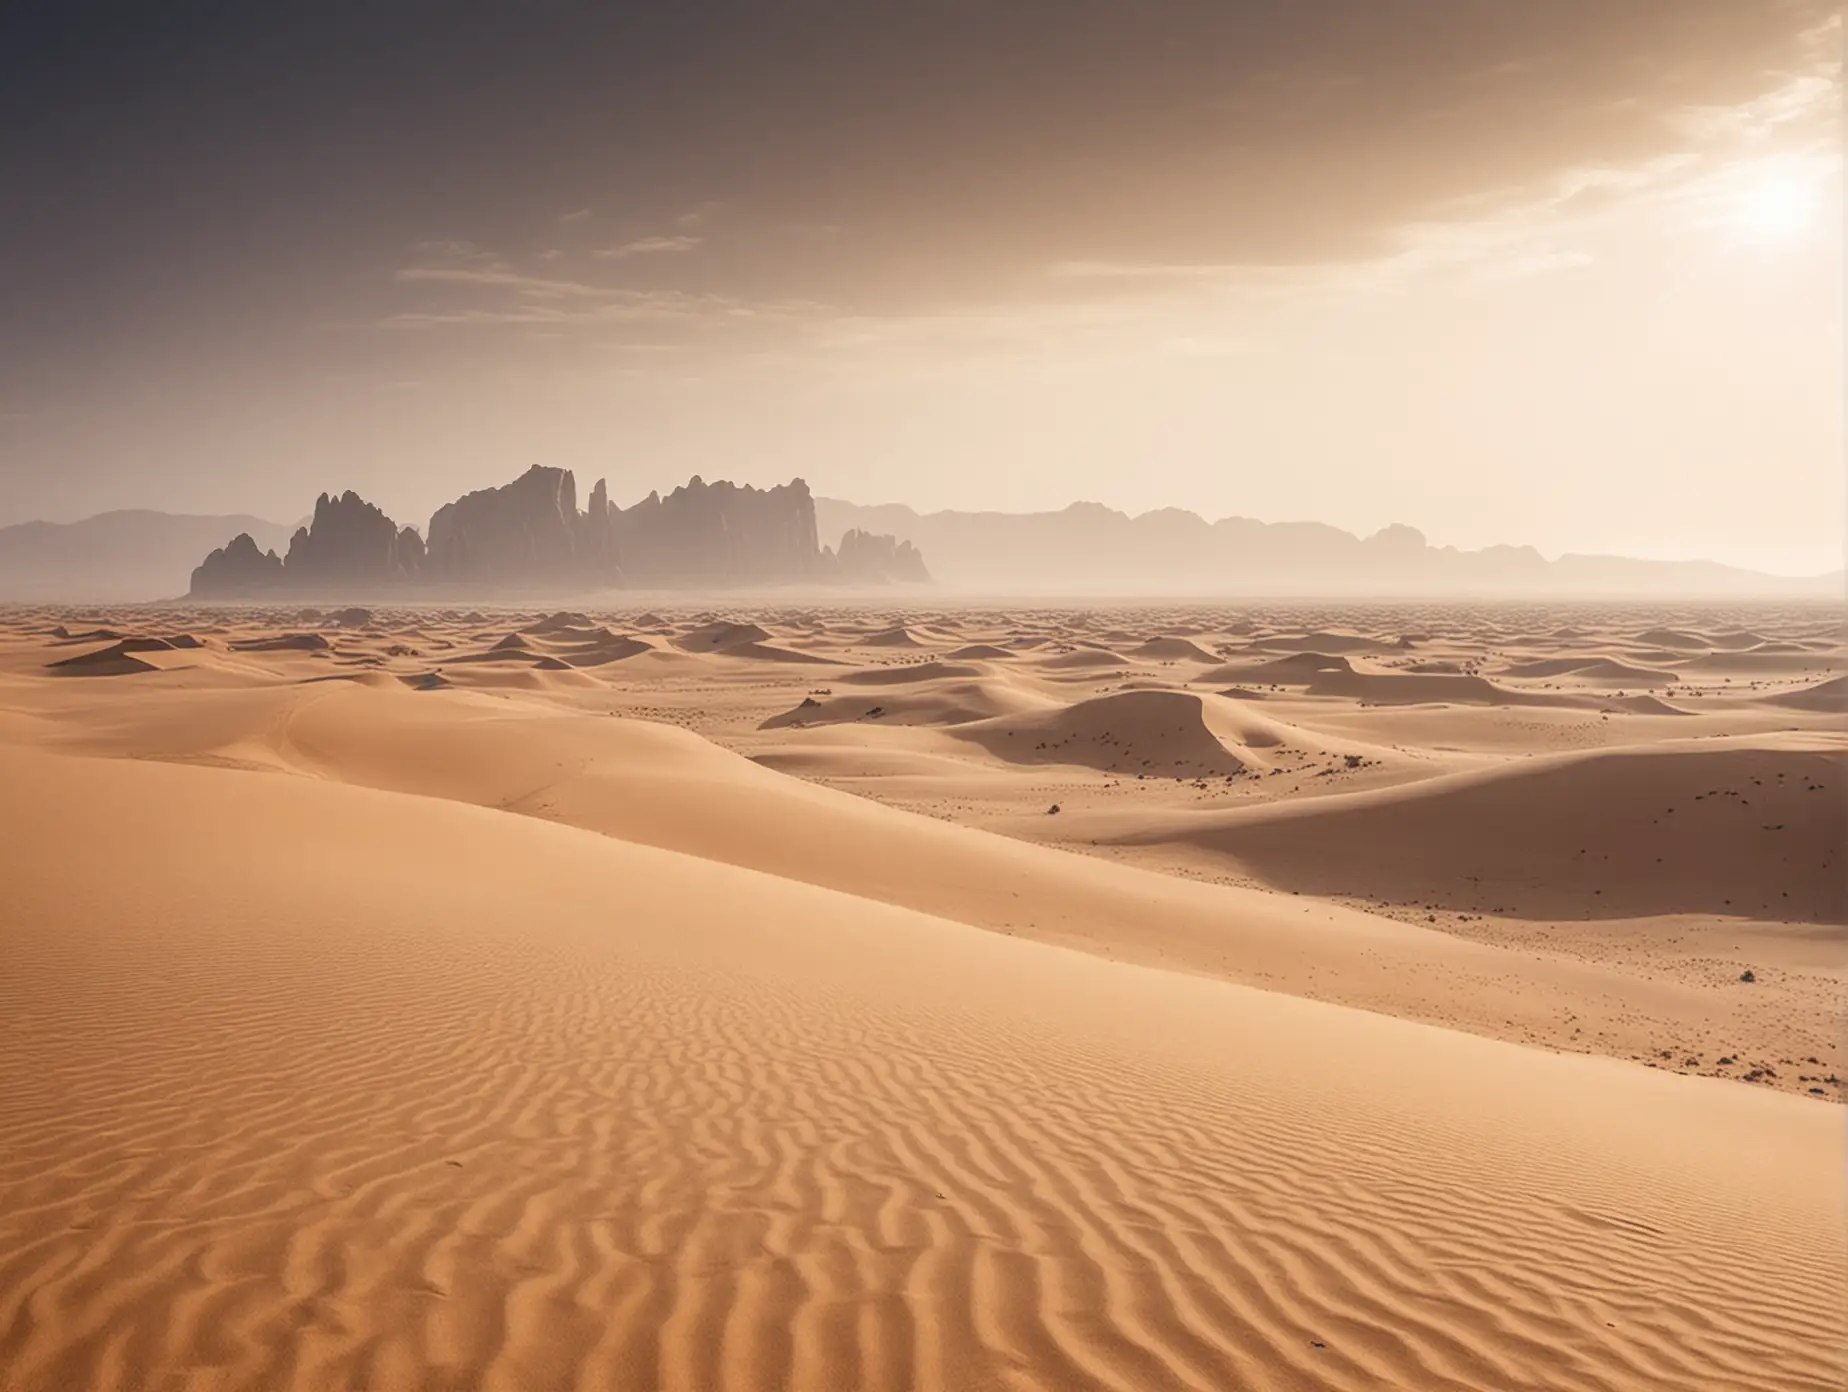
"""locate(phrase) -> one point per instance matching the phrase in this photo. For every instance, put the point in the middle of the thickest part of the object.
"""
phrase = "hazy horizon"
(1563, 275)
(831, 538)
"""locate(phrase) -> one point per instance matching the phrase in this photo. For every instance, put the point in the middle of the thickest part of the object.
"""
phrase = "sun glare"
(1777, 205)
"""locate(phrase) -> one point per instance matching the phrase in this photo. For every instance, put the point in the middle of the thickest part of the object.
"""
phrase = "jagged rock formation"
(868, 559)
(528, 532)
(719, 533)
(529, 535)
(235, 569)
(350, 544)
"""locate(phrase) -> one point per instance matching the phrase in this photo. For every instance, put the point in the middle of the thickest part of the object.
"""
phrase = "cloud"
(452, 249)
(505, 294)
(701, 214)
(1505, 152)
(647, 246)
(499, 275)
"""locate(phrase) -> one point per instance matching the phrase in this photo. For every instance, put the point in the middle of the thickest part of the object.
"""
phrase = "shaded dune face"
(910, 673)
(892, 638)
(1152, 733)
(1083, 659)
(1744, 832)
(711, 637)
(1296, 669)
(941, 702)
(1830, 696)
(1325, 674)
(118, 659)
(1592, 669)
(1169, 649)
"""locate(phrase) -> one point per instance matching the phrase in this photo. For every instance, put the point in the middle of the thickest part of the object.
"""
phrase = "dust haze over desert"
(956, 696)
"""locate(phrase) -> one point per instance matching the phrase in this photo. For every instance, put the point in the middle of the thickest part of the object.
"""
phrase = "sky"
(1565, 273)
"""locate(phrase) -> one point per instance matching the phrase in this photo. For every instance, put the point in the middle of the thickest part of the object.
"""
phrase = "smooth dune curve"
(484, 1102)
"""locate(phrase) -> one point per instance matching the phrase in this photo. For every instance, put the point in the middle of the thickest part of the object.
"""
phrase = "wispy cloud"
(452, 249)
(631, 306)
(501, 276)
(500, 292)
(647, 246)
(701, 215)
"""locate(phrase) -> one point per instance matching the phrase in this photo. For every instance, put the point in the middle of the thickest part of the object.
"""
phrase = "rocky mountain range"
(135, 554)
(1090, 549)
(530, 536)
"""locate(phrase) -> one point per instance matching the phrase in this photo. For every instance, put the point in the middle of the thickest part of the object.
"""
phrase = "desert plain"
(771, 993)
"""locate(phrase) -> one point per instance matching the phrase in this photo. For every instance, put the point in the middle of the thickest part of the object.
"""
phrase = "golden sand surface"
(761, 993)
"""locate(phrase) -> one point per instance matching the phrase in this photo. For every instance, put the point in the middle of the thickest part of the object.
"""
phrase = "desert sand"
(765, 994)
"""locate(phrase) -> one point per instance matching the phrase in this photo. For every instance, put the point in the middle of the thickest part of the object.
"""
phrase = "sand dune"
(1831, 696)
(1591, 668)
(441, 1000)
(1083, 659)
(1734, 828)
(1642, 705)
(601, 649)
(1156, 734)
(910, 674)
(1298, 669)
(116, 660)
(892, 638)
(410, 1126)
(770, 652)
(285, 642)
(1320, 642)
(1759, 663)
(1673, 638)
(1172, 649)
(1382, 688)
(659, 786)
(564, 621)
(1324, 674)
(941, 702)
(521, 654)
(710, 637)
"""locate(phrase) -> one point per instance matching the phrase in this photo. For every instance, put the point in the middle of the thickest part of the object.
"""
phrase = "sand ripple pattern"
(613, 1118)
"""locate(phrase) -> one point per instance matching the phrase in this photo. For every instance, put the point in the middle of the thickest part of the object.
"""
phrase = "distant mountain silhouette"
(132, 555)
(529, 536)
(1083, 549)
(1091, 549)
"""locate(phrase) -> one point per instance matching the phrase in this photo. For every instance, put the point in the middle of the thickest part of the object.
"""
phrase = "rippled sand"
(476, 1001)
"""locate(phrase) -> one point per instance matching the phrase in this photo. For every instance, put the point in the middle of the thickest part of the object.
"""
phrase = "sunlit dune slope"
(322, 1086)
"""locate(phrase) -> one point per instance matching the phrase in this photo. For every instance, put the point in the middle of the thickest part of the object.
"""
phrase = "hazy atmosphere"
(956, 696)
(1562, 274)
